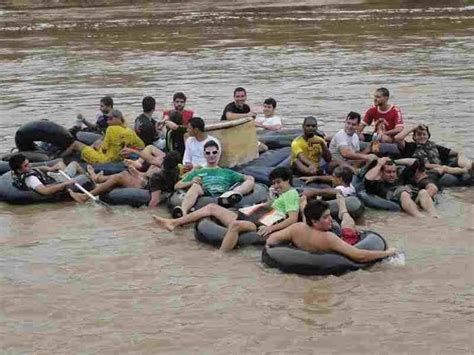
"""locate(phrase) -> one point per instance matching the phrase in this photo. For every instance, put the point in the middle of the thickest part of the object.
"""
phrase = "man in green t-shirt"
(287, 205)
(212, 180)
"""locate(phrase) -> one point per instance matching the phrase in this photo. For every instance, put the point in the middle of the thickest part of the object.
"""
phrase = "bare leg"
(225, 216)
(152, 155)
(155, 199)
(246, 187)
(75, 146)
(408, 205)
(346, 220)
(432, 189)
(232, 236)
(194, 192)
(426, 203)
(312, 193)
(302, 168)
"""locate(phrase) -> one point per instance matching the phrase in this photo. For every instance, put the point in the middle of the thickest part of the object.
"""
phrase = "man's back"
(310, 239)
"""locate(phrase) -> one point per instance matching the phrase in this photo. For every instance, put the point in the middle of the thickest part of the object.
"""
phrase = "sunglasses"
(214, 152)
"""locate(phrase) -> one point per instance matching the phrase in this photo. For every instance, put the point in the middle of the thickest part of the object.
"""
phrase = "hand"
(391, 251)
(197, 180)
(313, 169)
(382, 161)
(69, 182)
(373, 157)
(265, 231)
(127, 151)
(187, 167)
(253, 114)
(97, 144)
(308, 179)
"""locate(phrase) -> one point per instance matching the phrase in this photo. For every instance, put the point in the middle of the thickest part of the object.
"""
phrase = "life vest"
(19, 180)
(428, 152)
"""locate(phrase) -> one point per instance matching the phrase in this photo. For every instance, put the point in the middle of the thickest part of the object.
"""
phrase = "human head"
(106, 104)
(240, 96)
(19, 164)
(389, 172)
(421, 134)
(196, 126)
(211, 152)
(318, 215)
(344, 175)
(115, 118)
(310, 126)
(281, 179)
(381, 96)
(179, 100)
(269, 106)
(176, 117)
(148, 104)
(351, 123)
(171, 160)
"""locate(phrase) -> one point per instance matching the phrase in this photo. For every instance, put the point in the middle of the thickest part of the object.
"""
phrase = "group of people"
(176, 153)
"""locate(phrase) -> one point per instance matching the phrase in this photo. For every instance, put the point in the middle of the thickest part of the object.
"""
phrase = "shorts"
(163, 182)
(396, 194)
(93, 156)
(254, 217)
(349, 235)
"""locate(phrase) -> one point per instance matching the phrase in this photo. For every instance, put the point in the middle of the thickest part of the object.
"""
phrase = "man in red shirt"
(179, 101)
(387, 118)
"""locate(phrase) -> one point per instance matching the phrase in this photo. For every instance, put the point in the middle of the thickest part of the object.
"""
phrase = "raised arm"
(374, 173)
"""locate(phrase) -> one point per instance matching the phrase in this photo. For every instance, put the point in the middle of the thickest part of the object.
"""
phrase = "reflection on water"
(75, 278)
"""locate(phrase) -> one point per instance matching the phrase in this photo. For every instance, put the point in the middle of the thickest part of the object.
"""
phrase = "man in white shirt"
(269, 121)
(345, 145)
(42, 180)
(194, 146)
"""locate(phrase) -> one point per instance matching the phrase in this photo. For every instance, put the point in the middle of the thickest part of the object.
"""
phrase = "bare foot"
(133, 171)
(78, 197)
(129, 163)
(92, 174)
(164, 222)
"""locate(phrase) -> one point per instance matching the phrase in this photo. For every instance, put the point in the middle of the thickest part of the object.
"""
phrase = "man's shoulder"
(298, 140)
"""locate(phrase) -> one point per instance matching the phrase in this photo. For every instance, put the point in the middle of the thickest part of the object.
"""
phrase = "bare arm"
(48, 190)
(183, 185)
(284, 235)
(275, 127)
(400, 136)
(374, 173)
(361, 127)
(349, 154)
(396, 130)
(326, 193)
(358, 255)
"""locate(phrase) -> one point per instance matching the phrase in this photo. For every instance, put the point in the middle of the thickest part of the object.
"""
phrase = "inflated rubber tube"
(271, 158)
(44, 131)
(32, 156)
(10, 194)
(4, 167)
(379, 203)
(448, 180)
(291, 260)
(127, 196)
(260, 173)
(210, 232)
(259, 194)
(88, 137)
(355, 207)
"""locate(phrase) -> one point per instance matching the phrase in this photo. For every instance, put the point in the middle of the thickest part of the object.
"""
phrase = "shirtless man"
(314, 235)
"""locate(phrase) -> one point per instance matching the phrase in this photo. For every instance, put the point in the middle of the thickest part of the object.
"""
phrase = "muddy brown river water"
(76, 279)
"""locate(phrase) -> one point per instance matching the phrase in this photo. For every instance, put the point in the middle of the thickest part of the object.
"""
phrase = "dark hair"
(309, 118)
(148, 104)
(314, 210)
(236, 90)
(107, 101)
(198, 123)
(16, 161)
(176, 117)
(388, 163)
(422, 127)
(344, 173)
(171, 160)
(281, 173)
(384, 92)
(211, 143)
(179, 95)
(353, 116)
(270, 101)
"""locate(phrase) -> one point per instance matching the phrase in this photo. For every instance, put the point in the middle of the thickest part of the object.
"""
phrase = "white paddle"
(94, 198)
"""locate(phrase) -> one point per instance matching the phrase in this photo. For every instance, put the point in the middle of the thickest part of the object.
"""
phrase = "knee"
(213, 208)
(432, 189)
(423, 194)
(235, 226)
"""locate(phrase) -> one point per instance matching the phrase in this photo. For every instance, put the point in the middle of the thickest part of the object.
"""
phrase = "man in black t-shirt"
(383, 180)
(238, 108)
(145, 124)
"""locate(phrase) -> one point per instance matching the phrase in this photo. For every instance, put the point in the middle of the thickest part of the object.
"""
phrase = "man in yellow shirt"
(307, 150)
(117, 137)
